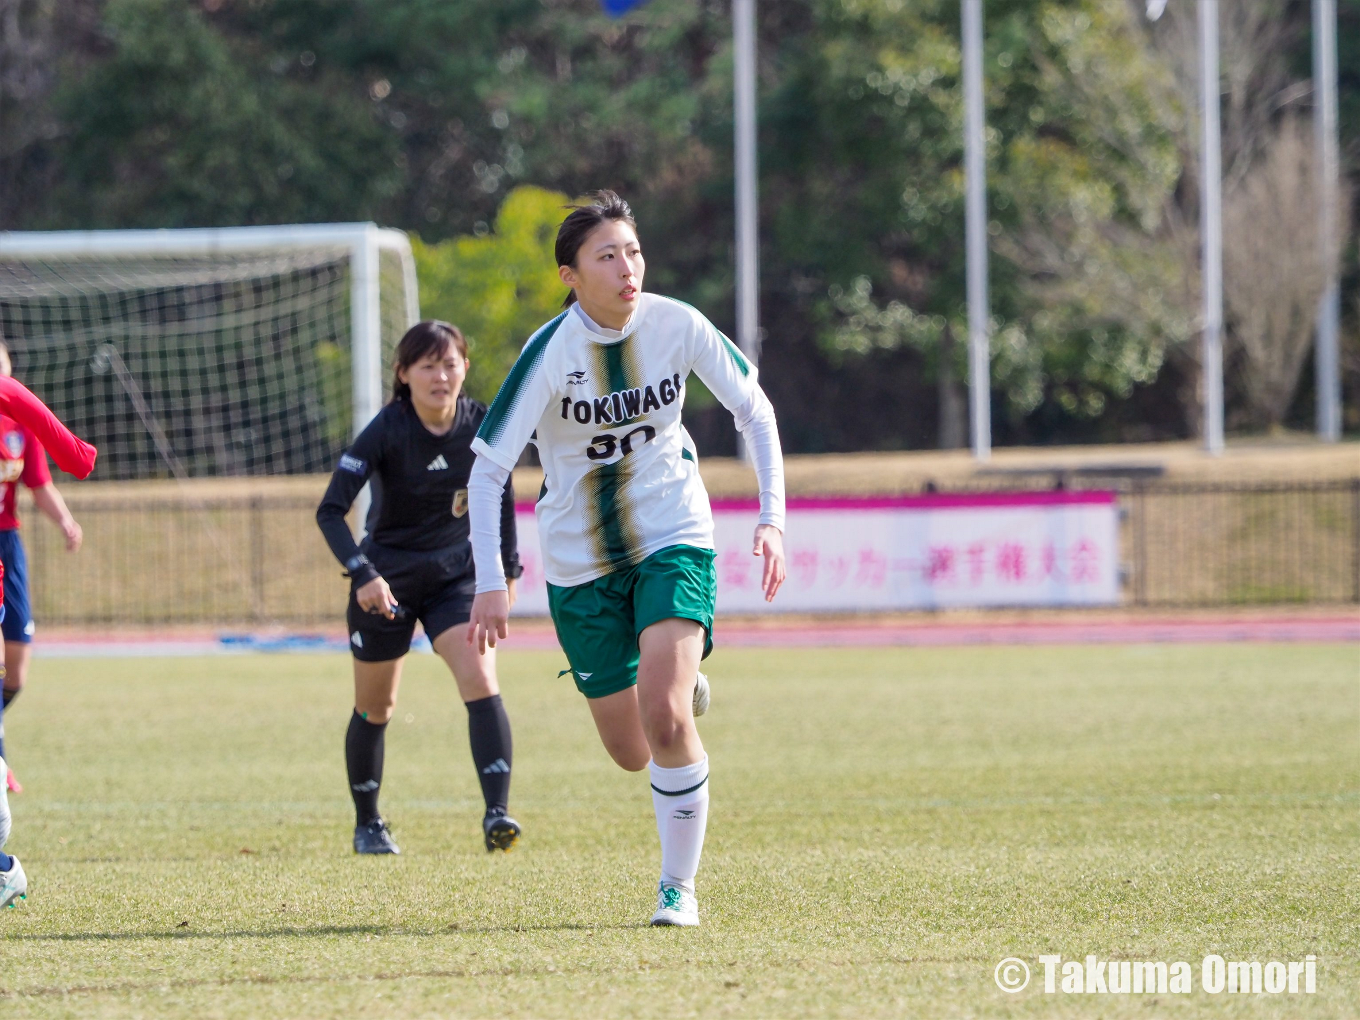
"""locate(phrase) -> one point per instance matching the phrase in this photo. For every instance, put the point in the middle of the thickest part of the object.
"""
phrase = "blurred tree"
(1273, 271)
(1348, 88)
(426, 114)
(1272, 276)
(1081, 159)
(174, 130)
(39, 43)
(498, 287)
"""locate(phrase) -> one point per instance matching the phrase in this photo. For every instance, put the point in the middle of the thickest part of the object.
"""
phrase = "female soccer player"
(624, 519)
(22, 459)
(416, 564)
(76, 457)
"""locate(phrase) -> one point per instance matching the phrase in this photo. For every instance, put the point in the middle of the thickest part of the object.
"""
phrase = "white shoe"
(701, 693)
(14, 885)
(4, 804)
(675, 905)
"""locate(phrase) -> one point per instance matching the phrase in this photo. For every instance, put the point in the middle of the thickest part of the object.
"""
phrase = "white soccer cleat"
(701, 693)
(14, 884)
(4, 805)
(675, 905)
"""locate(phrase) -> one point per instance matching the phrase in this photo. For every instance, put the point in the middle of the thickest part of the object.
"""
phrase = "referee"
(416, 564)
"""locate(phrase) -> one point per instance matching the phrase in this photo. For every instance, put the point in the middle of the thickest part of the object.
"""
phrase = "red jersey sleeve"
(71, 454)
(36, 474)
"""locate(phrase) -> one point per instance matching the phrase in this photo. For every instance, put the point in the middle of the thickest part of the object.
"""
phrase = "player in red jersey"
(22, 459)
(77, 457)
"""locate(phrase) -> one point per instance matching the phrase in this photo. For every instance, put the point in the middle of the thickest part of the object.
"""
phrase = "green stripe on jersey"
(742, 364)
(616, 368)
(609, 512)
(733, 351)
(493, 425)
(621, 364)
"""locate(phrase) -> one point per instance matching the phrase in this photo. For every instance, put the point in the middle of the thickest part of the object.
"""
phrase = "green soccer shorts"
(598, 622)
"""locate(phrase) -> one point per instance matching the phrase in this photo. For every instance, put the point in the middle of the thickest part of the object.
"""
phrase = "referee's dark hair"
(432, 336)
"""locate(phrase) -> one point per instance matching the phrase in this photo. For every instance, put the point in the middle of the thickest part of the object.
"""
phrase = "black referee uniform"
(417, 526)
(418, 542)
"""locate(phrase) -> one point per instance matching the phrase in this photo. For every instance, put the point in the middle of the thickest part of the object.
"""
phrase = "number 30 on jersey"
(602, 447)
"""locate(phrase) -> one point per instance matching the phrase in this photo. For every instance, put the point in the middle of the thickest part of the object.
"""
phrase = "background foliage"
(427, 114)
(498, 285)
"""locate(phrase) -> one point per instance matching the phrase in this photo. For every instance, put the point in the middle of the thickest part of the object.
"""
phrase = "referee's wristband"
(360, 570)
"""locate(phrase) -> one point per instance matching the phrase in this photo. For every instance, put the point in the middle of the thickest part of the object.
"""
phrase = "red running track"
(1058, 633)
(538, 636)
(1124, 632)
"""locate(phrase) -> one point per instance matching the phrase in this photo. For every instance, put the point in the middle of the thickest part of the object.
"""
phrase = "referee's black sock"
(10, 695)
(364, 761)
(492, 753)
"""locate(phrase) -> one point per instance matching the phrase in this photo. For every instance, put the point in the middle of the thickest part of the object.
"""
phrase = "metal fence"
(261, 559)
(1213, 545)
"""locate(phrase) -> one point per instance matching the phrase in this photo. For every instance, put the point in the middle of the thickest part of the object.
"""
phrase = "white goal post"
(34, 265)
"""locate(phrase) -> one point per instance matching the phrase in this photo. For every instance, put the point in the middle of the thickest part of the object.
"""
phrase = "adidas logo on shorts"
(438, 464)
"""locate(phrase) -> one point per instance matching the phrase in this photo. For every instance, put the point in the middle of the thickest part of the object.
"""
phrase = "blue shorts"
(18, 619)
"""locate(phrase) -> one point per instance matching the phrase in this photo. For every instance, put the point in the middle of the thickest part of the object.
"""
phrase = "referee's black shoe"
(501, 831)
(374, 838)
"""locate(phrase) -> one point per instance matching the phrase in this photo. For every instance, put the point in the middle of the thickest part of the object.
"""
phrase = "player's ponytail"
(423, 339)
(607, 206)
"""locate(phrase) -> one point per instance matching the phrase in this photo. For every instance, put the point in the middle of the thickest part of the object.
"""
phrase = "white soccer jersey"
(621, 479)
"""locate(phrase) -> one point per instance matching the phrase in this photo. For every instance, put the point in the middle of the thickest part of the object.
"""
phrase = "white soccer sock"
(680, 798)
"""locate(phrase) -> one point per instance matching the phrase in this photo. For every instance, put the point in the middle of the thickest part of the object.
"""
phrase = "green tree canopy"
(499, 287)
(174, 129)
(426, 114)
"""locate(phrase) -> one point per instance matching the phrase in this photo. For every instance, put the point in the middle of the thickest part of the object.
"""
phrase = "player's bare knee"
(16, 675)
(630, 759)
(629, 753)
(665, 729)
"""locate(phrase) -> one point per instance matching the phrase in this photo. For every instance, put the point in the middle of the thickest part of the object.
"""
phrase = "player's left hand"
(74, 536)
(490, 620)
(511, 590)
(770, 544)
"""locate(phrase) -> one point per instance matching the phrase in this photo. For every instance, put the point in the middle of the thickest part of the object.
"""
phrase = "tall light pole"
(747, 210)
(975, 234)
(748, 241)
(1211, 229)
(1326, 353)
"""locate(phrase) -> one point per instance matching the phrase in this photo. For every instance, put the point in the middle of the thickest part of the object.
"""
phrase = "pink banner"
(938, 550)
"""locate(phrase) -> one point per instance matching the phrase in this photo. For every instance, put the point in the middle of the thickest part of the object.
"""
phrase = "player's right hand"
(376, 597)
(490, 619)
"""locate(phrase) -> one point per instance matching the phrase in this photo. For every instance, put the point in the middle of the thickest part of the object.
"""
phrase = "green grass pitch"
(887, 825)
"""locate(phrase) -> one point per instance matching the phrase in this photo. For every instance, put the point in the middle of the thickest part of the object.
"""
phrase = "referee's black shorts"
(434, 587)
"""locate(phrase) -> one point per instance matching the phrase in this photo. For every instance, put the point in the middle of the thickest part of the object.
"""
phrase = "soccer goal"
(209, 352)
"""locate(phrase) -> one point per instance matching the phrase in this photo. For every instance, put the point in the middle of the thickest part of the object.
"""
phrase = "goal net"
(197, 353)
